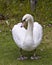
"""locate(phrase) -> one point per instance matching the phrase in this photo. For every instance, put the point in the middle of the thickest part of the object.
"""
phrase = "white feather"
(27, 39)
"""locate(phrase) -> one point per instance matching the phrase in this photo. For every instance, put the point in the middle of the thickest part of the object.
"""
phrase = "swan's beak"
(23, 24)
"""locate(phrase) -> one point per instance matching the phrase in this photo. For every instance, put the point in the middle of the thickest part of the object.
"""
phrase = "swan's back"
(37, 34)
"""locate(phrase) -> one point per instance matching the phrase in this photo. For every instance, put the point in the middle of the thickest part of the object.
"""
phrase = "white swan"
(27, 39)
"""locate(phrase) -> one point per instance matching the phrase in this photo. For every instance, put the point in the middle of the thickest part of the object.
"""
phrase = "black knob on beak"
(23, 20)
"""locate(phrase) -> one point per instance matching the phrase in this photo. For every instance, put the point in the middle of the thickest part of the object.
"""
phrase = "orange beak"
(23, 24)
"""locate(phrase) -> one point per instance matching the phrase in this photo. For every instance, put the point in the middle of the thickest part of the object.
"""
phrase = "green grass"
(9, 50)
(14, 9)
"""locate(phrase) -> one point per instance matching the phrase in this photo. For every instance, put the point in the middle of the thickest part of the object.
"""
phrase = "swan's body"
(27, 39)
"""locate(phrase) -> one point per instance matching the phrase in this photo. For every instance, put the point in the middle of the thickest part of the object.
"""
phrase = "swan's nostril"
(23, 24)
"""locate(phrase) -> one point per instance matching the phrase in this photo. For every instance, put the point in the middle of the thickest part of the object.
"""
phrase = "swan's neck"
(29, 35)
(30, 28)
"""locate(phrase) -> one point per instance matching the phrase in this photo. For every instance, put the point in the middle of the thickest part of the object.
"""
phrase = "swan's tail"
(7, 22)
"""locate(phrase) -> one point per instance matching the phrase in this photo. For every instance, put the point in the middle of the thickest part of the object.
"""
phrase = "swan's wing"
(37, 33)
(18, 33)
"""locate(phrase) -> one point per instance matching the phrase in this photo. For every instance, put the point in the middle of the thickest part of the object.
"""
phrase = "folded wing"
(18, 33)
(37, 34)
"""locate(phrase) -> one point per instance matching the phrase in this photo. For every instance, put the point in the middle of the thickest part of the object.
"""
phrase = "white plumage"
(27, 39)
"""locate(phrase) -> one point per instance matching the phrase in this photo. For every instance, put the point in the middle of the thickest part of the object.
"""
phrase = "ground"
(9, 50)
(14, 10)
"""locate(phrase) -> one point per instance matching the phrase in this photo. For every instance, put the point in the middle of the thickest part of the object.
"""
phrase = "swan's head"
(27, 18)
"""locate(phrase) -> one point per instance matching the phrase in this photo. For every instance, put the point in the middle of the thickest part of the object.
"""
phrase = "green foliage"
(17, 8)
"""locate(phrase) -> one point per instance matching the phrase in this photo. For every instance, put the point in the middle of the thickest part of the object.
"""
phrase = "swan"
(30, 38)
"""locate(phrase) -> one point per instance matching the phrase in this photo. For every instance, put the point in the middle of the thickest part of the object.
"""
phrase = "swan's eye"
(24, 20)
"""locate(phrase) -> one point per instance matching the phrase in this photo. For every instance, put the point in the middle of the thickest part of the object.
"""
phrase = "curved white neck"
(30, 28)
